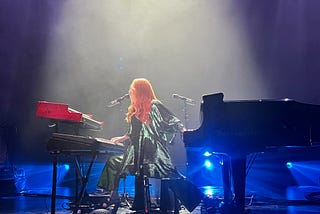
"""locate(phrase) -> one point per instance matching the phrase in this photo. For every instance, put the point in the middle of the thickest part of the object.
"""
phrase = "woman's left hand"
(119, 139)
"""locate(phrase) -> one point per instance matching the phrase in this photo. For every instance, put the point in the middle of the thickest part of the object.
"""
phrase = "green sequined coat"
(147, 149)
(151, 145)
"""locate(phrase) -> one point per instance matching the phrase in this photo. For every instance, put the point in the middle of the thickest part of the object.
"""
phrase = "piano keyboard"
(66, 143)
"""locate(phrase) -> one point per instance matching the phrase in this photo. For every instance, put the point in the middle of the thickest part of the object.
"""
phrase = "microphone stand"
(185, 113)
(184, 110)
(186, 125)
(119, 104)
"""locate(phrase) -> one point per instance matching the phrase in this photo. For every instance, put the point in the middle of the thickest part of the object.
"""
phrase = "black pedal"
(99, 201)
(92, 202)
(84, 207)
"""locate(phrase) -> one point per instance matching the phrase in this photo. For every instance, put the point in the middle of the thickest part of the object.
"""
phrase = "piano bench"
(169, 203)
(173, 193)
(179, 191)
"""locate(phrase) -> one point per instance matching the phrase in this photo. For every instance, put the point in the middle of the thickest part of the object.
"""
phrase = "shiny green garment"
(149, 149)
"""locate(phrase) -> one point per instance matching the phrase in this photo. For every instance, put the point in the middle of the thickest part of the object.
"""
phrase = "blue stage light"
(66, 167)
(208, 192)
(208, 164)
(207, 154)
(289, 165)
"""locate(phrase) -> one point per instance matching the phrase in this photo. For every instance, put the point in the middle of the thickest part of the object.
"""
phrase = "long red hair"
(141, 95)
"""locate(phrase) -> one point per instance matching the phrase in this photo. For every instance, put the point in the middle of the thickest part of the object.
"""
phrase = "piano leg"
(237, 171)
(226, 180)
(239, 182)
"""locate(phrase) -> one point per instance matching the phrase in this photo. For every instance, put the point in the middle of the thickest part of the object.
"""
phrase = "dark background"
(86, 53)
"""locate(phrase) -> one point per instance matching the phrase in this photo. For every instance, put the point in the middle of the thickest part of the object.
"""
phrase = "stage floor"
(42, 204)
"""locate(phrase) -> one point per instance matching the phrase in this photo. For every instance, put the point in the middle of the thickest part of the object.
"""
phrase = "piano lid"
(252, 125)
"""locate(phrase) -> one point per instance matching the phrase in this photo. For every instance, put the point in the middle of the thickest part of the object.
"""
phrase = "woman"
(151, 127)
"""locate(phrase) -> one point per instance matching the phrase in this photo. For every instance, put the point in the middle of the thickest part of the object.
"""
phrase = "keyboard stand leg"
(84, 180)
(54, 184)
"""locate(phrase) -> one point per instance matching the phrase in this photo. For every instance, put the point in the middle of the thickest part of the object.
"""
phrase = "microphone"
(186, 99)
(118, 100)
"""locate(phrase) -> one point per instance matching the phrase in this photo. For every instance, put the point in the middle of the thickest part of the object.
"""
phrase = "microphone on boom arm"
(186, 99)
(118, 100)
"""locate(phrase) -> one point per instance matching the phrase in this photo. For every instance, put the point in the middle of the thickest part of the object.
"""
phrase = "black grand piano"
(238, 128)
